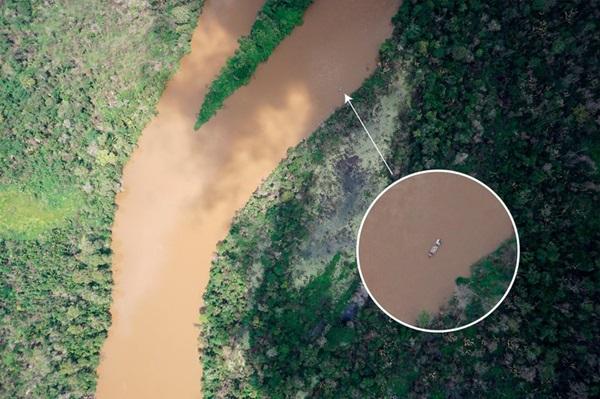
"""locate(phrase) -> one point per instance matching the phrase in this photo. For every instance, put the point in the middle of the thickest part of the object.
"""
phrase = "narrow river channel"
(182, 188)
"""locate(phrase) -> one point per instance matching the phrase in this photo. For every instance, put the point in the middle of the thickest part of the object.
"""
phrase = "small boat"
(434, 248)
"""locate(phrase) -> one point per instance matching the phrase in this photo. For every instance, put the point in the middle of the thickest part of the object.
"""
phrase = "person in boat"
(434, 248)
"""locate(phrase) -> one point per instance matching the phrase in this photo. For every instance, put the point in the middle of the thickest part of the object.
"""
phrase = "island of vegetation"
(506, 92)
(275, 21)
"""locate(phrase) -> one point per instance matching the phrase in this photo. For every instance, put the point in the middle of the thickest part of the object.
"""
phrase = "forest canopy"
(505, 91)
(77, 85)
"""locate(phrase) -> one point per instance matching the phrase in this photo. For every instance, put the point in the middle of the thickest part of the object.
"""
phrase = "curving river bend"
(182, 188)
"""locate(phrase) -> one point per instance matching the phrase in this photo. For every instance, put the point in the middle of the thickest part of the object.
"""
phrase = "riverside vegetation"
(275, 21)
(505, 91)
(478, 293)
(78, 84)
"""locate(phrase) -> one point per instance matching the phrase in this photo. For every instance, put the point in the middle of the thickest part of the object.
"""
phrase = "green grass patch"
(24, 215)
(424, 319)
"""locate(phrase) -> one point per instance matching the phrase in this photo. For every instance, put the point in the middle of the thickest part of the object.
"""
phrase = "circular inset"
(438, 251)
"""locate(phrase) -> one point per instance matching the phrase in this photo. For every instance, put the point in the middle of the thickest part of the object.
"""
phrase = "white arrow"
(348, 100)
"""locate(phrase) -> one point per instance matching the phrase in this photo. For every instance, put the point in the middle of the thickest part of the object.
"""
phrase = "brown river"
(182, 188)
(406, 220)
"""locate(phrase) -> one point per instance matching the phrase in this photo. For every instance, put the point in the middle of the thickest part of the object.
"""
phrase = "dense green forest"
(79, 80)
(505, 91)
(275, 21)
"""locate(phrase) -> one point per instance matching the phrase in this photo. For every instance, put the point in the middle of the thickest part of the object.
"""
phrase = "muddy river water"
(402, 226)
(182, 188)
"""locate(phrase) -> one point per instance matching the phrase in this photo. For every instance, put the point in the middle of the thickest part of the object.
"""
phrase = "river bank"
(181, 188)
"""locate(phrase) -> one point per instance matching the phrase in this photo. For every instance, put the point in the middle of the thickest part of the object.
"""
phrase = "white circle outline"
(449, 329)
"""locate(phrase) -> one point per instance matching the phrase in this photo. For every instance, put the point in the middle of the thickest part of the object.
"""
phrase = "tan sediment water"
(182, 188)
(402, 226)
